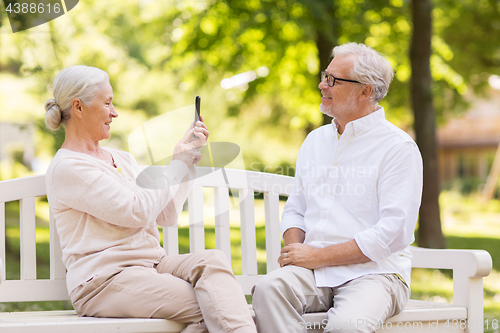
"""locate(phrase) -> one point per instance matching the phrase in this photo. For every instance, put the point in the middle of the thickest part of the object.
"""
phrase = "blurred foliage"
(160, 54)
(465, 185)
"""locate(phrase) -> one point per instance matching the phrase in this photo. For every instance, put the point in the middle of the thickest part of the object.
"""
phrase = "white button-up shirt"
(365, 185)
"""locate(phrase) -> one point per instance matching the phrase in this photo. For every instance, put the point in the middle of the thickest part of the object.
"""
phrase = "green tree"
(469, 40)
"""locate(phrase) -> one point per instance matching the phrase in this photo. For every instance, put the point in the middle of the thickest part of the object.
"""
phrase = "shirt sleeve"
(158, 177)
(85, 187)
(171, 213)
(295, 207)
(399, 191)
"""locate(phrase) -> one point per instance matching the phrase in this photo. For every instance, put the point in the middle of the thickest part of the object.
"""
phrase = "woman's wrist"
(176, 171)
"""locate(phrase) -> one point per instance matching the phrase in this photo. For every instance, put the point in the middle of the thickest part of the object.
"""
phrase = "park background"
(256, 64)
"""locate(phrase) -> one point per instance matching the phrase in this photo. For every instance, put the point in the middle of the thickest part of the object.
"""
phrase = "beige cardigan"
(104, 219)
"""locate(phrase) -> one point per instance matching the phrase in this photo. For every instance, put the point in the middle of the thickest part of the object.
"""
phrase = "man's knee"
(270, 288)
(268, 284)
(283, 283)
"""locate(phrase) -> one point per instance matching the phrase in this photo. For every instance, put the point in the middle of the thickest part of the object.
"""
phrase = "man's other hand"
(298, 254)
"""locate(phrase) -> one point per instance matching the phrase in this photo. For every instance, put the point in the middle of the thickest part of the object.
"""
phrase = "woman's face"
(98, 114)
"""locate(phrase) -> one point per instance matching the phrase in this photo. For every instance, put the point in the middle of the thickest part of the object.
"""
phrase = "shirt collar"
(364, 124)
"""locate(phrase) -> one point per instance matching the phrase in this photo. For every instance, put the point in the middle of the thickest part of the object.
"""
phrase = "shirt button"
(324, 217)
(334, 164)
(330, 193)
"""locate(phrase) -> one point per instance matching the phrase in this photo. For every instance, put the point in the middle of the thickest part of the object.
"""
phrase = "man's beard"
(340, 110)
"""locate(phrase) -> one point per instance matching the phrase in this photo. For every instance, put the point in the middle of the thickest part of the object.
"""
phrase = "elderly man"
(349, 220)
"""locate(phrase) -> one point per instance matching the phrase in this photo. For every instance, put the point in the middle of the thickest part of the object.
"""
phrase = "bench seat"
(68, 321)
(417, 314)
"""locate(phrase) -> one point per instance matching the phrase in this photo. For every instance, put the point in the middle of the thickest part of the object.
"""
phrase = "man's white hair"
(370, 67)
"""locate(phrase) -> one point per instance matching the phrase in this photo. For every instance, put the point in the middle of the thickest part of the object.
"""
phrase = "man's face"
(340, 101)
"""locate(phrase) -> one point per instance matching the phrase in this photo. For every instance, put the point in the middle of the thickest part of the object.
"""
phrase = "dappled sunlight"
(468, 215)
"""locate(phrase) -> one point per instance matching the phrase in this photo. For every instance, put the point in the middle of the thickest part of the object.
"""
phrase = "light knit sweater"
(104, 219)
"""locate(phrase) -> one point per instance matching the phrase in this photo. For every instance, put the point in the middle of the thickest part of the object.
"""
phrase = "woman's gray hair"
(81, 82)
(370, 67)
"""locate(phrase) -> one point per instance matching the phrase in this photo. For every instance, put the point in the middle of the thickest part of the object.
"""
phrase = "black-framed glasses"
(330, 79)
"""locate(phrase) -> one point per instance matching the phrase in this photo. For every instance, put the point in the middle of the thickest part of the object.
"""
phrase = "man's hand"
(302, 255)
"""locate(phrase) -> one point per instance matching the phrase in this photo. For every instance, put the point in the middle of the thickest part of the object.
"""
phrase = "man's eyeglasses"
(330, 79)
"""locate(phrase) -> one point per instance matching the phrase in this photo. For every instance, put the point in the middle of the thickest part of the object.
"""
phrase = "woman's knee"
(215, 257)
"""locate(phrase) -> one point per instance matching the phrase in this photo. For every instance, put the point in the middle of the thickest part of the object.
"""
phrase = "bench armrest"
(469, 267)
(472, 263)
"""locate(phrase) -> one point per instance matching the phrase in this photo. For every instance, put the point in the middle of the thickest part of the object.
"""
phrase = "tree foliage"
(190, 45)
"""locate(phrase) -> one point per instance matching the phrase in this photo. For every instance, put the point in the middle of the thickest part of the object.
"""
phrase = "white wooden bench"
(469, 267)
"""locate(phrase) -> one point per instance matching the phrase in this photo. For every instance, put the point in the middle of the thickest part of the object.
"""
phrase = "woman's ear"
(76, 107)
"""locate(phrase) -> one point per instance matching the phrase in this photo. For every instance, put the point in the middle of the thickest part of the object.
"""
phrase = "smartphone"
(197, 106)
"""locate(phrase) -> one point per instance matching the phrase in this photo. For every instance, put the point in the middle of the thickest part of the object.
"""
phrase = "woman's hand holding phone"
(201, 133)
(188, 149)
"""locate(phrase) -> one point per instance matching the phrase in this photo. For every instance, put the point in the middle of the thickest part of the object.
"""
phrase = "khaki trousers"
(360, 305)
(198, 289)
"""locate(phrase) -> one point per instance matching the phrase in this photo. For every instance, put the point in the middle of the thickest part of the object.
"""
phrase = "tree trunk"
(325, 46)
(429, 230)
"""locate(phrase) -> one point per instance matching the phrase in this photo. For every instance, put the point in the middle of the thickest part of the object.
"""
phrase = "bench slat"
(196, 221)
(273, 240)
(28, 238)
(3, 273)
(247, 282)
(33, 290)
(222, 226)
(207, 177)
(57, 269)
(68, 321)
(19, 188)
(65, 321)
(171, 240)
(267, 182)
(248, 239)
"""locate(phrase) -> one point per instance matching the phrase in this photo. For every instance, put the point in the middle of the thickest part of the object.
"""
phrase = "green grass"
(467, 223)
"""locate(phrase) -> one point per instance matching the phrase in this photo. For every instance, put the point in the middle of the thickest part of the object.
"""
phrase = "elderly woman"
(107, 223)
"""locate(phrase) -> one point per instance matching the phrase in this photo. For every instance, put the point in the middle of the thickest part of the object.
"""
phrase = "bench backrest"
(242, 184)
